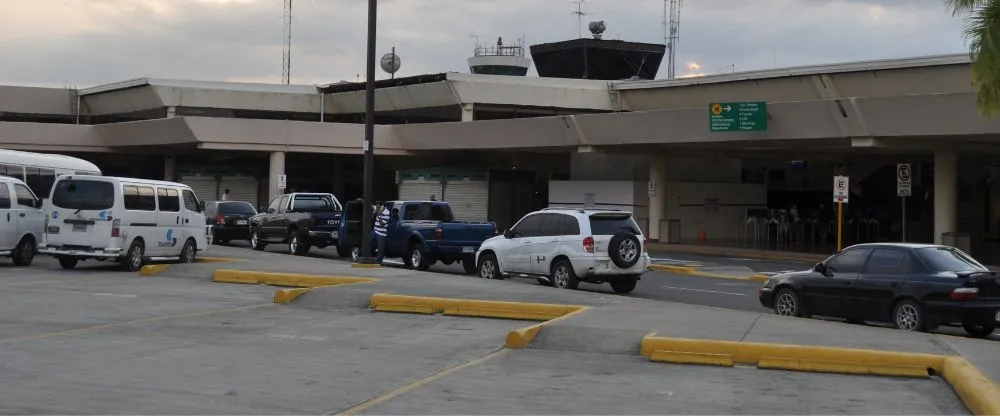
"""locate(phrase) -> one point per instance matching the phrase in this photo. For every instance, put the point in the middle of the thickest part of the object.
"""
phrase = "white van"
(21, 221)
(124, 219)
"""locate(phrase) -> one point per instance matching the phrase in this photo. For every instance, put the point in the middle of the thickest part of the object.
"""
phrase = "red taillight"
(116, 228)
(439, 234)
(588, 244)
(964, 293)
(645, 245)
(220, 219)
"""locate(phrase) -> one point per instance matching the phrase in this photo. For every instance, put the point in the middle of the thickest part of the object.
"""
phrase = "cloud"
(88, 42)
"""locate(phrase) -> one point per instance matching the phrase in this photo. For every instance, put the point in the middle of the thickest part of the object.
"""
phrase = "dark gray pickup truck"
(301, 220)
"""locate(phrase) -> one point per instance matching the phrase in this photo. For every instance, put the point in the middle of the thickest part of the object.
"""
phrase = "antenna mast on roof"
(286, 49)
(671, 33)
(579, 17)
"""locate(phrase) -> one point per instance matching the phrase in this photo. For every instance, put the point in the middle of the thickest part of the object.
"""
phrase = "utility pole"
(369, 143)
(286, 49)
(579, 17)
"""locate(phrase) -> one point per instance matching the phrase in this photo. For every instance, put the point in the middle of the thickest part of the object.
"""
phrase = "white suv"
(565, 246)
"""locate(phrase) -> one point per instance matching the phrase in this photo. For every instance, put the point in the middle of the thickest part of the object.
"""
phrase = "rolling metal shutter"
(420, 188)
(203, 186)
(469, 197)
(241, 188)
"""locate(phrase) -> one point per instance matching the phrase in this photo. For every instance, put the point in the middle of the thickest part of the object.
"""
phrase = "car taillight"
(645, 245)
(220, 219)
(588, 244)
(439, 234)
(964, 293)
(116, 228)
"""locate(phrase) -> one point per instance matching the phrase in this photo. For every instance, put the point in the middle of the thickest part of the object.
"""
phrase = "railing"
(500, 51)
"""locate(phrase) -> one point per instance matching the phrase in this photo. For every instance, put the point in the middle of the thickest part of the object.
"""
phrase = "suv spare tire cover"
(624, 249)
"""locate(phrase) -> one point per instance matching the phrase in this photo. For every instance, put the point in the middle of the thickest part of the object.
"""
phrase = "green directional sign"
(741, 116)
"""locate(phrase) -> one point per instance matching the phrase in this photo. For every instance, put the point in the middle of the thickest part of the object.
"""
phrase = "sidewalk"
(729, 251)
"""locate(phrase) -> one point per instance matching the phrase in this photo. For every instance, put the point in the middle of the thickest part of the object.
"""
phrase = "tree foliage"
(982, 31)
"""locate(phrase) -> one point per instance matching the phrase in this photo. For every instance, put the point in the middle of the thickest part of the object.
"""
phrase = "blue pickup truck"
(425, 232)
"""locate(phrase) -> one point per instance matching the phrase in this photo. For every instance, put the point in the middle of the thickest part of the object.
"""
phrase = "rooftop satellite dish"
(597, 28)
(390, 62)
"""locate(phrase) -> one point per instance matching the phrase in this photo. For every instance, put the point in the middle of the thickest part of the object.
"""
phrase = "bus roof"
(44, 160)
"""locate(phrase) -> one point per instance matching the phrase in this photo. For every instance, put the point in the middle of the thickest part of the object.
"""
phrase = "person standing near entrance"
(225, 194)
(381, 231)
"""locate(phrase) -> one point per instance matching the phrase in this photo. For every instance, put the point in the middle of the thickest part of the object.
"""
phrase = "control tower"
(598, 58)
(500, 59)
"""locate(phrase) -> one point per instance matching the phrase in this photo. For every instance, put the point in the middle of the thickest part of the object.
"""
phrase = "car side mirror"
(508, 234)
(820, 267)
(38, 203)
(201, 206)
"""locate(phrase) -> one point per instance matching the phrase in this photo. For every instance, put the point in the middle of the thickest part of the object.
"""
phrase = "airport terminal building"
(675, 152)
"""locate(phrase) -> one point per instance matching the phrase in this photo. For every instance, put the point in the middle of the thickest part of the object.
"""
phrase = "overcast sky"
(90, 42)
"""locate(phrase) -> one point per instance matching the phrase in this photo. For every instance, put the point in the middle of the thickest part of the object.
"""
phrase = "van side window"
(40, 180)
(190, 200)
(169, 200)
(4, 196)
(24, 196)
(12, 171)
(136, 201)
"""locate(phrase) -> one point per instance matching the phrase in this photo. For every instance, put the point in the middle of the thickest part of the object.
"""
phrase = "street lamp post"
(369, 143)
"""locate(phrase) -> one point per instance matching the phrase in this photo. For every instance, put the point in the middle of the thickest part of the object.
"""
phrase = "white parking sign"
(904, 180)
(841, 188)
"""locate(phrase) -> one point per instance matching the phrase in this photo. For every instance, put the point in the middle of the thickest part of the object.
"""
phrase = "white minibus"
(39, 170)
(128, 220)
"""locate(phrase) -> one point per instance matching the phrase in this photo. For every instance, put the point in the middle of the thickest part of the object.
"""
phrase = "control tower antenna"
(286, 47)
(579, 17)
(672, 33)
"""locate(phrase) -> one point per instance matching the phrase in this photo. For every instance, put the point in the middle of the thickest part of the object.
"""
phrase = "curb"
(977, 391)
(153, 269)
(302, 283)
(694, 271)
(365, 266)
(518, 338)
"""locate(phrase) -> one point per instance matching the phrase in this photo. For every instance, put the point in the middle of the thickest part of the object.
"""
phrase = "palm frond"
(962, 6)
(982, 29)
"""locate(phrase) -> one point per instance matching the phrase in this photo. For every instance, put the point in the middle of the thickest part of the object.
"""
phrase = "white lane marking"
(307, 338)
(116, 295)
(703, 290)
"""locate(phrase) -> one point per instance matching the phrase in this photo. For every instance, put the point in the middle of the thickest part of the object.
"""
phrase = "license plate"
(80, 227)
(335, 234)
(468, 249)
(241, 222)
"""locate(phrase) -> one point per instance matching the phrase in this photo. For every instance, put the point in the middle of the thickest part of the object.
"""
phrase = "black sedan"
(230, 220)
(917, 287)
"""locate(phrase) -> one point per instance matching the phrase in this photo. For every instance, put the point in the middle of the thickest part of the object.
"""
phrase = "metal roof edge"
(856, 66)
(121, 85)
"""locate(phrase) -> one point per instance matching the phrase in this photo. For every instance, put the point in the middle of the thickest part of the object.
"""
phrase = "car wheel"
(417, 258)
(979, 330)
(625, 250)
(355, 254)
(908, 316)
(786, 303)
(189, 252)
(469, 264)
(488, 267)
(24, 253)
(68, 262)
(563, 276)
(624, 286)
(255, 242)
(134, 256)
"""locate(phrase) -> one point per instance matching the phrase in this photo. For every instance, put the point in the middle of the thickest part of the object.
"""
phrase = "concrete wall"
(612, 195)
(719, 207)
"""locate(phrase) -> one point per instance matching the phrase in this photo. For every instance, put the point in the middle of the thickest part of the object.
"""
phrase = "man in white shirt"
(225, 194)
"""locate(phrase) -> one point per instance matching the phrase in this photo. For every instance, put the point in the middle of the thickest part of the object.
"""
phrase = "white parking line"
(117, 295)
(703, 290)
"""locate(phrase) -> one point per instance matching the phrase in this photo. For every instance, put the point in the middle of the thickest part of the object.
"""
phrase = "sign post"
(282, 181)
(904, 188)
(740, 116)
(841, 195)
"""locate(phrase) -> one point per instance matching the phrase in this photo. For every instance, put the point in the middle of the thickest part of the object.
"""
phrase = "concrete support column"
(468, 113)
(945, 202)
(171, 112)
(277, 167)
(658, 201)
(169, 168)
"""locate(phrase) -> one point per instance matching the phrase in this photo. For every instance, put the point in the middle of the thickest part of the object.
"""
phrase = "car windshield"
(612, 223)
(315, 203)
(83, 194)
(236, 208)
(946, 259)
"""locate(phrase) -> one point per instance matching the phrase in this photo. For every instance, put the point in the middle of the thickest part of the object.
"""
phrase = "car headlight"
(770, 283)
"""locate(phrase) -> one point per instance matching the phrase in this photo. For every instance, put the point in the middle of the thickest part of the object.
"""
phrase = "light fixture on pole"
(369, 143)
